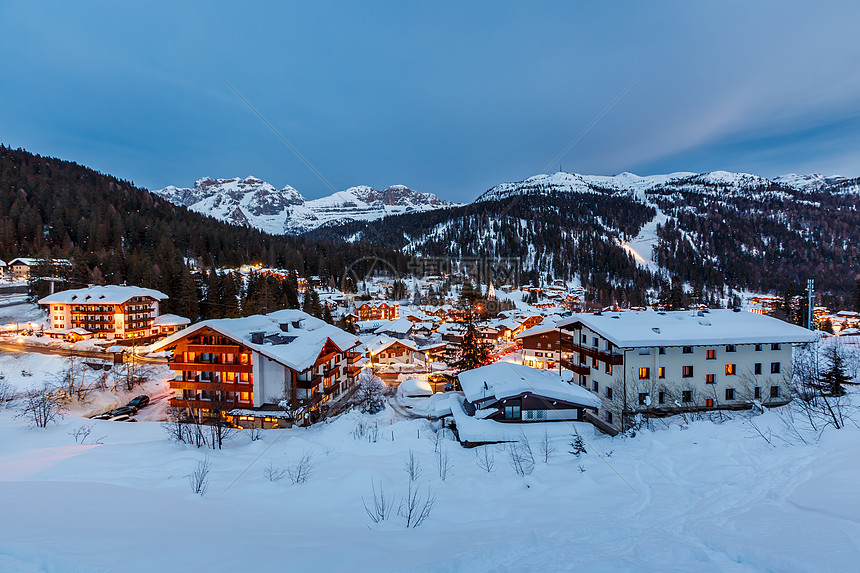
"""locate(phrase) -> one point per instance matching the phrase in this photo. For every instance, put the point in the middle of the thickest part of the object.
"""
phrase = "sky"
(450, 98)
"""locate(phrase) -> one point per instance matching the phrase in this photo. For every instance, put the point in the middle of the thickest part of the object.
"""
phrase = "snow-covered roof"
(545, 326)
(380, 343)
(170, 320)
(108, 294)
(689, 328)
(398, 326)
(32, 262)
(297, 348)
(505, 379)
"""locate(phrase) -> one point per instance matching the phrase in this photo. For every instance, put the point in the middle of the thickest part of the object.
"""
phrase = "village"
(487, 361)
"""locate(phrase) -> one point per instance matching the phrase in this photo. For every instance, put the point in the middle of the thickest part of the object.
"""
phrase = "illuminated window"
(731, 369)
(644, 373)
(661, 372)
(709, 403)
(711, 354)
(687, 371)
(710, 378)
(245, 396)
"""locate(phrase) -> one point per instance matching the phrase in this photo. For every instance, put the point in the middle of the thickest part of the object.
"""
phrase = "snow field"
(697, 497)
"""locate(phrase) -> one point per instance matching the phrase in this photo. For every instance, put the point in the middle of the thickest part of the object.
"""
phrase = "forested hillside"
(114, 232)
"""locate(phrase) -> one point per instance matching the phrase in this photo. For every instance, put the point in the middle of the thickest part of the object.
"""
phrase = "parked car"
(120, 418)
(139, 402)
(128, 410)
(104, 416)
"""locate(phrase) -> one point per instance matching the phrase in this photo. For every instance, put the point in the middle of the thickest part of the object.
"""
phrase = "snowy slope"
(255, 203)
(704, 496)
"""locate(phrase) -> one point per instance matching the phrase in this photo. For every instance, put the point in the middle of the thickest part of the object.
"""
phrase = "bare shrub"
(520, 456)
(443, 463)
(546, 447)
(199, 478)
(40, 408)
(82, 433)
(273, 474)
(300, 471)
(412, 467)
(255, 433)
(485, 459)
(7, 391)
(366, 431)
(416, 508)
(380, 507)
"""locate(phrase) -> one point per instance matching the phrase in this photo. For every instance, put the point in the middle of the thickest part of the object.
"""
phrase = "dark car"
(124, 410)
(139, 402)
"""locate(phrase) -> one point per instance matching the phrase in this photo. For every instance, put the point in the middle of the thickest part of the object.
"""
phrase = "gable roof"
(689, 328)
(505, 379)
(108, 294)
(297, 348)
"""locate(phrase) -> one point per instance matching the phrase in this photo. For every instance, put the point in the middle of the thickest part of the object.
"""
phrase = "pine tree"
(836, 377)
(577, 446)
(473, 352)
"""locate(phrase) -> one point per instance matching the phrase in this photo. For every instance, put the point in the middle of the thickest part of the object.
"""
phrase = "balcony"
(331, 388)
(210, 367)
(592, 352)
(306, 384)
(211, 385)
(581, 369)
(207, 404)
(213, 348)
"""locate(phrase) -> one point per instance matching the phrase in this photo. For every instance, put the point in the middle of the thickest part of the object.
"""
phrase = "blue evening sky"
(446, 97)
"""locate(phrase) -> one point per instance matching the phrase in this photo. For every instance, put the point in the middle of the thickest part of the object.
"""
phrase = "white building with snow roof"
(109, 312)
(666, 362)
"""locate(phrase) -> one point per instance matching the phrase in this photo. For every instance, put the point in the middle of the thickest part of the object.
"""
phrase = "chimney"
(257, 337)
(285, 326)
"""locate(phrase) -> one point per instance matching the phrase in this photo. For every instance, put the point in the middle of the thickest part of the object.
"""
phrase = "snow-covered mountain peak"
(252, 201)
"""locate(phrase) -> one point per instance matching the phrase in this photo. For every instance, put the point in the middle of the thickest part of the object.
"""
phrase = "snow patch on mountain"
(255, 203)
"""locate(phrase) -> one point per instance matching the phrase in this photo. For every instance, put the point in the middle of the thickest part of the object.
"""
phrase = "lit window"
(687, 372)
(710, 378)
(709, 403)
(661, 372)
(644, 373)
(711, 354)
(245, 396)
(731, 369)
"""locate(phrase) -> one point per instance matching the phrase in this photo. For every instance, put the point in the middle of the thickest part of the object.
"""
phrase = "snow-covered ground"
(702, 496)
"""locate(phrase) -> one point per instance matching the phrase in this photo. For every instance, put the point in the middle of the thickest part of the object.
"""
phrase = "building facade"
(660, 363)
(283, 367)
(377, 311)
(110, 312)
